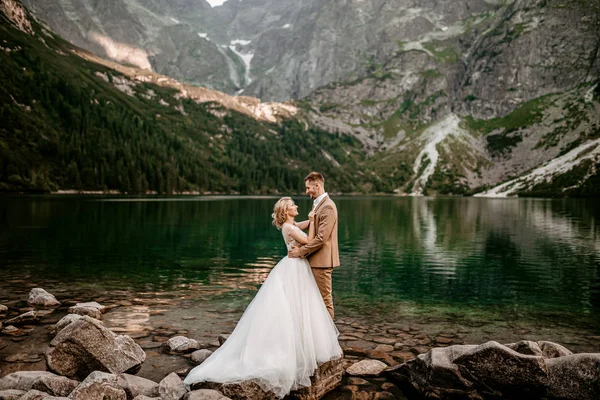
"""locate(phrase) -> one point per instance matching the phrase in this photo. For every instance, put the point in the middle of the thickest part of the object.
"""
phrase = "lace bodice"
(287, 238)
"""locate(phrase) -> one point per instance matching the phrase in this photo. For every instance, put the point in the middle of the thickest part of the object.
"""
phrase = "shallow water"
(504, 268)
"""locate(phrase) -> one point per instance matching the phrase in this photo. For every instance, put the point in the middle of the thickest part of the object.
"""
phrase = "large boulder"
(137, 386)
(39, 380)
(100, 382)
(86, 345)
(536, 370)
(575, 376)
(38, 297)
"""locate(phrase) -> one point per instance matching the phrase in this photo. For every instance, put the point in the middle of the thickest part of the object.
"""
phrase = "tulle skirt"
(281, 337)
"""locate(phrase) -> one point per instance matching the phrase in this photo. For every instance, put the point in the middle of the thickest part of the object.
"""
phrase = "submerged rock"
(536, 370)
(23, 319)
(41, 298)
(86, 345)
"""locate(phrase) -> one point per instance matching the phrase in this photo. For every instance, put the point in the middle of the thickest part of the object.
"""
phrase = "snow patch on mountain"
(433, 135)
(216, 3)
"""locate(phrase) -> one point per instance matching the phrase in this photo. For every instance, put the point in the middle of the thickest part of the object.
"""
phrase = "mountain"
(273, 49)
(72, 121)
(509, 96)
(504, 101)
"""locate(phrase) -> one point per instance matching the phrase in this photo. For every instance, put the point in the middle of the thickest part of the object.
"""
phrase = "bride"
(286, 330)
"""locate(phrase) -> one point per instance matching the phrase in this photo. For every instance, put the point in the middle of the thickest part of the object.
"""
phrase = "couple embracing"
(288, 328)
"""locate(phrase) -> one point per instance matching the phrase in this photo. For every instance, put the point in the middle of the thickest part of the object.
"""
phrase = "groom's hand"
(294, 253)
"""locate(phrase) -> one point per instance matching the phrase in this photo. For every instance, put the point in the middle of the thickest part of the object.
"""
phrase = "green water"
(510, 258)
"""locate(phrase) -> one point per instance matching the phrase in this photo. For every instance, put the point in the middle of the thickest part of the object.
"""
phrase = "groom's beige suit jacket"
(322, 251)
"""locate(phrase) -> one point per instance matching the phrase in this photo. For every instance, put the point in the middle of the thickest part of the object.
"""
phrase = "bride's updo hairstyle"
(279, 211)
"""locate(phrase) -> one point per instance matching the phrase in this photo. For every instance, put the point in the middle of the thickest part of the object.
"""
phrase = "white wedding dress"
(281, 337)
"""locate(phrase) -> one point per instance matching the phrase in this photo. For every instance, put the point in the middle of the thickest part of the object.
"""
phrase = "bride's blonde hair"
(280, 211)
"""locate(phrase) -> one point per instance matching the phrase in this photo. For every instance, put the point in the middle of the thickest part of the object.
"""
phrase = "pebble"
(441, 340)
(386, 348)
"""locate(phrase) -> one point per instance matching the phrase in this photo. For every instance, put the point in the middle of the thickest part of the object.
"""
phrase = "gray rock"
(23, 319)
(181, 344)
(137, 386)
(86, 345)
(205, 394)
(86, 310)
(534, 370)
(223, 338)
(99, 385)
(575, 376)
(39, 395)
(40, 297)
(199, 356)
(366, 368)
(142, 397)
(66, 320)
(92, 304)
(40, 380)
(171, 387)
(11, 394)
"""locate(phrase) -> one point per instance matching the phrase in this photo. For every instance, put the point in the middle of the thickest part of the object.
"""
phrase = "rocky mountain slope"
(273, 49)
(507, 93)
(490, 98)
(72, 121)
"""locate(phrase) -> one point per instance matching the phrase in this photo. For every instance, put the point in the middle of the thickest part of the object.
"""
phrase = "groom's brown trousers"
(323, 278)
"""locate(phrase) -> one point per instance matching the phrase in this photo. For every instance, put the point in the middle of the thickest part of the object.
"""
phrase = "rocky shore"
(53, 350)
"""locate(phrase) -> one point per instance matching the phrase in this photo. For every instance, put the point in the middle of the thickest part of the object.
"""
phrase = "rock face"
(39, 380)
(40, 297)
(86, 345)
(492, 370)
(326, 378)
(281, 49)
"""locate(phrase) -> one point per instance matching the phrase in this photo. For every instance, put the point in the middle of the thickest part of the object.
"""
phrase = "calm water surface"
(501, 259)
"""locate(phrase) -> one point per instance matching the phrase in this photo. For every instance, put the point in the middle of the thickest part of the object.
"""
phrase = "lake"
(501, 269)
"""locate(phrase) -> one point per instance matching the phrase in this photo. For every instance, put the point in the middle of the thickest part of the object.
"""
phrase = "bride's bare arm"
(303, 225)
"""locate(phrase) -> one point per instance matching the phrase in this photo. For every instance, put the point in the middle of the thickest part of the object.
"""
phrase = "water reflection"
(510, 255)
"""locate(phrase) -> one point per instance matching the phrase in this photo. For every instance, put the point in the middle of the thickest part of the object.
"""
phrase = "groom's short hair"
(314, 176)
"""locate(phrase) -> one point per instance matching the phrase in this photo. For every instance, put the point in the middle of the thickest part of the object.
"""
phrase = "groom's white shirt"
(318, 200)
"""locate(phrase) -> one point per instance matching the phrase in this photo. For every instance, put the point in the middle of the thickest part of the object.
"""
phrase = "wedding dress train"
(282, 336)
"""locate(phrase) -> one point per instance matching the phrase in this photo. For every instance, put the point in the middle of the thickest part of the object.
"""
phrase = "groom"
(321, 252)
